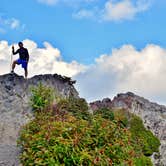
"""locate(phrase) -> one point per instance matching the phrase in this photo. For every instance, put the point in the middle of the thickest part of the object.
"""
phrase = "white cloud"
(14, 23)
(115, 10)
(126, 69)
(123, 9)
(84, 14)
(11, 23)
(42, 60)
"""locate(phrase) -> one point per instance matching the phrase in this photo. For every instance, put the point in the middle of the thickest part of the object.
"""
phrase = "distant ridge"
(152, 114)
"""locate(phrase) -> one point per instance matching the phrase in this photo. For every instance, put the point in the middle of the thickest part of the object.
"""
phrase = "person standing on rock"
(23, 58)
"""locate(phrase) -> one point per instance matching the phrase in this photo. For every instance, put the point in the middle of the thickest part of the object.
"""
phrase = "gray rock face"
(152, 114)
(15, 109)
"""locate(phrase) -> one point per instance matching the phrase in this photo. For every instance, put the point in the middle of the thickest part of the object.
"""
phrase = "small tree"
(41, 98)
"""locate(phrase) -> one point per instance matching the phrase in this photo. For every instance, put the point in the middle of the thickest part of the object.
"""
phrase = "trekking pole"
(11, 61)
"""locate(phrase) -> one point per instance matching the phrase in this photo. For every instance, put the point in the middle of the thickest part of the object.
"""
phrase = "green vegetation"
(143, 137)
(66, 134)
(105, 113)
(78, 107)
(140, 135)
(41, 98)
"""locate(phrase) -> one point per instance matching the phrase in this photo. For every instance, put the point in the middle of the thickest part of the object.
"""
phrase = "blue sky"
(86, 38)
(108, 46)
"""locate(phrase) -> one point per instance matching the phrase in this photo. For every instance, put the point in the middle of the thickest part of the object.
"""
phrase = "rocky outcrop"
(15, 109)
(152, 114)
(105, 103)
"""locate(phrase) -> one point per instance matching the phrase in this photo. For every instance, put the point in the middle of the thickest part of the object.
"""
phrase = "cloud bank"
(124, 69)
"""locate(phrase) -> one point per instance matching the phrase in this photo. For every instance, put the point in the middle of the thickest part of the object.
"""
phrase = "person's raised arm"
(14, 53)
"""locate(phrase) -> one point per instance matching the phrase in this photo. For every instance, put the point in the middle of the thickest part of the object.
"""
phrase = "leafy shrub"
(140, 135)
(77, 106)
(144, 137)
(122, 116)
(76, 142)
(105, 113)
(41, 98)
(142, 161)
